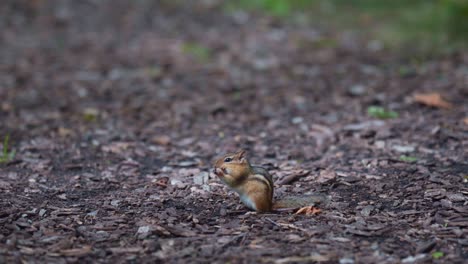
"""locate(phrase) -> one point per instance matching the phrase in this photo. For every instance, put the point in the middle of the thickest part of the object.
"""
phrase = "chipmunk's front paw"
(219, 172)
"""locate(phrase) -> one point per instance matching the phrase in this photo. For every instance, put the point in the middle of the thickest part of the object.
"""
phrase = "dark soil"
(116, 110)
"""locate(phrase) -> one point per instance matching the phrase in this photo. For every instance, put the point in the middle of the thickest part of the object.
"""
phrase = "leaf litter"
(115, 126)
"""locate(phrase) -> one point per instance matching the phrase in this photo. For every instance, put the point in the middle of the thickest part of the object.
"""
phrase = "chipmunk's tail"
(294, 202)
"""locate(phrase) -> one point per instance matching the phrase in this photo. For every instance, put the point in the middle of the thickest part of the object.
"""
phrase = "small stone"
(375, 45)
(403, 149)
(435, 193)
(101, 235)
(155, 197)
(357, 90)
(380, 144)
(367, 210)
(304, 127)
(222, 212)
(187, 163)
(346, 261)
(412, 259)
(13, 175)
(93, 213)
(178, 183)
(294, 238)
(201, 178)
(456, 197)
(143, 232)
(166, 169)
(297, 120)
(326, 175)
(4, 185)
(42, 212)
(373, 124)
(446, 203)
(143, 229)
(186, 172)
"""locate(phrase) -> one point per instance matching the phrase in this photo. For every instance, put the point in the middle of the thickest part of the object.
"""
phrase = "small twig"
(234, 239)
(293, 177)
(236, 212)
(161, 184)
(73, 166)
(128, 163)
(286, 210)
(290, 226)
(244, 238)
(271, 221)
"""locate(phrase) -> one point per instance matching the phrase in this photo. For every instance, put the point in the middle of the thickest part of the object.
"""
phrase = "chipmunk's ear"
(241, 154)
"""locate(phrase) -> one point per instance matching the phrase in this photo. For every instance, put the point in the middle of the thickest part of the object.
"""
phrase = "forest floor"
(115, 111)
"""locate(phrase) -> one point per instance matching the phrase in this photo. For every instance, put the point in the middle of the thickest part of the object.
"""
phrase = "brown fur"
(256, 184)
(258, 191)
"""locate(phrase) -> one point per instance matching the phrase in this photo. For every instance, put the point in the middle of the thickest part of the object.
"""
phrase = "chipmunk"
(255, 185)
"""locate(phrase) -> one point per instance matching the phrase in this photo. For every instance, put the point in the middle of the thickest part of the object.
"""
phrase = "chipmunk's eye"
(227, 159)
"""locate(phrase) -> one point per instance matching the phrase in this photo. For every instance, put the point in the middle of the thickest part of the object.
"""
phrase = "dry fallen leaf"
(432, 99)
(161, 182)
(5, 107)
(307, 259)
(256, 243)
(309, 210)
(161, 140)
(76, 252)
(326, 175)
(295, 175)
(116, 147)
(65, 132)
(123, 250)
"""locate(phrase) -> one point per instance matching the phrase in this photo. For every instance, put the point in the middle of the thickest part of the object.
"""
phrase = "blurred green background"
(421, 25)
